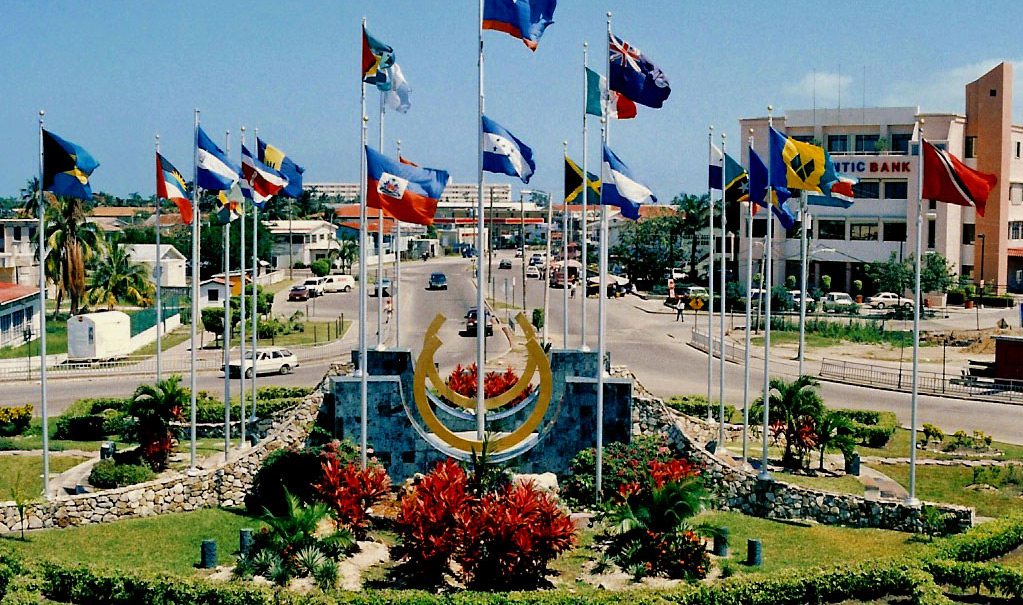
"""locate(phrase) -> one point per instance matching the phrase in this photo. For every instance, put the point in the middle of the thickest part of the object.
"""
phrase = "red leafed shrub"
(672, 470)
(462, 380)
(350, 490)
(429, 515)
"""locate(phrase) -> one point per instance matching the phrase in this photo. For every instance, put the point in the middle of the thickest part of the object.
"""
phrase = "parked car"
(384, 285)
(338, 283)
(299, 292)
(696, 292)
(518, 253)
(438, 281)
(532, 273)
(811, 304)
(837, 300)
(676, 273)
(889, 299)
(271, 360)
(504, 264)
(315, 286)
(470, 323)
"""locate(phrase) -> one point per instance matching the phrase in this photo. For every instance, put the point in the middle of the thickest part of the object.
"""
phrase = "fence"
(733, 352)
(928, 383)
(144, 319)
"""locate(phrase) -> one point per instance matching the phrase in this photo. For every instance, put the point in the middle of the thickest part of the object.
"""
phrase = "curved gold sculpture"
(425, 369)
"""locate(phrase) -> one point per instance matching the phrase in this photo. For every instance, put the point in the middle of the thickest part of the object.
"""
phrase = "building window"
(896, 190)
(1016, 230)
(969, 233)
(970, 148)
(759, 227)
(867, 190)
(831, 229)
(838, 143)
(1018, 145)
(1016, 193)
(895, 232)
(863, 232)
(900, 142)
(932, 233)
(866, 143)
(16, 234)
(213, 295)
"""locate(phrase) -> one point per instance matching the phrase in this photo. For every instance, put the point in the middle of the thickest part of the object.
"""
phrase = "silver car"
(269, 360)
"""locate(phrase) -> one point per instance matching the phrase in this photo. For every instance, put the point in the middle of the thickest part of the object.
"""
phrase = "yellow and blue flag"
(66, 167)
(758, 191)
(282, 163)
(795, 164)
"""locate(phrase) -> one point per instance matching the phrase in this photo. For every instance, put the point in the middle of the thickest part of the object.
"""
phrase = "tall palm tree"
(154, 407)
(71, 242)
(347, 253)
(798, 406)
(29, 198)
(692, 222)
(115, 277)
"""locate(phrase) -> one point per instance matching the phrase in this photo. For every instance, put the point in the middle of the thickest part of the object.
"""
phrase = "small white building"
(172, 263)
(304, 241)
(98, 336)
(19, 307)
(211, 291)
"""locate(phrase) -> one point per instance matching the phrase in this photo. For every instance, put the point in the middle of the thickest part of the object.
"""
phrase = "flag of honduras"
(406, 192)
(259, 181)
(505, 154)
(620, 188)
(215, 171)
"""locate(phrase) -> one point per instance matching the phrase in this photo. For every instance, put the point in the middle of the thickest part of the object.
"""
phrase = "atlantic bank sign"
(871, 167)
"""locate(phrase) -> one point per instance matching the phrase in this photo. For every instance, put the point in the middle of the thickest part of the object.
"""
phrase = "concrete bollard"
(721, 542)
(208, 554)
(754, 553)
(244, 541)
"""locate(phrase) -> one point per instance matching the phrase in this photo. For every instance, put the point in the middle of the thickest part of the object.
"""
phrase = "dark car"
(470, 323)
(299, 293)
(438, 281)
(504, 264)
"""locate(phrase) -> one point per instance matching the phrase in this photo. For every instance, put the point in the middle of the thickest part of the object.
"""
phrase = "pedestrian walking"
(571, 289)
(680, 310)
(388, 310)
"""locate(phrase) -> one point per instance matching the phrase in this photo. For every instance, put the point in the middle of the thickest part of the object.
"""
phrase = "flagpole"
(564, 261)
(721, 311)
(363, 369)
(159, 280)
(605, 135)
(582, 226)
(196, 217)
(380, 245)
(911, 499)
(481, 311)
(765, 474)
(241, 319)
(397, 273)
(255, 302)
(42, 317)
(547, 270)
(804, 220)
(226, 336)
(749, 318)
(710, 276)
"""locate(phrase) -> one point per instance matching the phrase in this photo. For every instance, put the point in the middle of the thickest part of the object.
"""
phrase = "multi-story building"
(453, 193)
(880, 146)
(18, 257)
(301, 241)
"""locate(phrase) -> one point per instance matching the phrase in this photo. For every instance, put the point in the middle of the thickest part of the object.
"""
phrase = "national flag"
(230, 204)
(836, 188)
(170, 185)
(276, 159)
(376, 57)
(714, 171)
(215, 171)
(260, 182)
(620, 188)
(758, 189)
(66, 167)
(522, 19)
(408, 193)
(633, 75)
(735, 182)
(597, 94)
(795, 164)
(503, 153)
(574, 184)
(396, 90)
(407, 161)
(948, 180)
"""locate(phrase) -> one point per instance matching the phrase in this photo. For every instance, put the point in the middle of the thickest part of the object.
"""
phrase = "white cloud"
(945, 90)
(826, 87)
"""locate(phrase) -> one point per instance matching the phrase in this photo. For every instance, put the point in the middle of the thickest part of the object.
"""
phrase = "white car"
(314, 285)
(271, 360)
(532, 273)
(889, 299)
(338, 283)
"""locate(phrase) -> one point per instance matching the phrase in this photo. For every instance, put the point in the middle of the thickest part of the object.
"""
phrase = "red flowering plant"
(462, 380)
(350, 490)
(625, 465)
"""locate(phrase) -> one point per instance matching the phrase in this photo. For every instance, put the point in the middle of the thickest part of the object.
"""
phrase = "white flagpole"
(582, 224)
(481, 310)
(397, 273)
(227, 316)
(911, 499)
(42, 318)
(241, 321)
(564, 262)
(605, 135)
(765, 294)
(363, 290)
(710, 276)
(159, 280)
(749, 319)
(547, 271)
(380, 246)
(196, 217)
(804, 221)
(721, 311)
(255, 302)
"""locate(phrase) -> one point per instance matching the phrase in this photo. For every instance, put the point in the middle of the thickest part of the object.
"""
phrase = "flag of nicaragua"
(620, 188)
(406, 192)
(170, 185)
(215, 171)
(505, 154)
(259, 181)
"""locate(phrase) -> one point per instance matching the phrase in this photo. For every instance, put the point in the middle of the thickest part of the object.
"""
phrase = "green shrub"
(8, 445)
(320, 267)
(107, 474)
(696, 406)
(990, 576)
(213, 411)
(871, 428)
(80, 428)
(623, 463)
(14, 420)
(538, 319)
(984, 542)
(290, 471)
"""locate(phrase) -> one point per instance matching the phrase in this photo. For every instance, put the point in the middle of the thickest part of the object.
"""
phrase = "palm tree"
(154, 407)
(71, 242)
(798, 406)
(347, 253)
(693, 212)
(115, 277)
(833, 432)
(29, 198)
(669, 508)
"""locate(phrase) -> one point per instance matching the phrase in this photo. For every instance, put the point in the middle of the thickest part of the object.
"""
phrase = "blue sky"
(112, 74)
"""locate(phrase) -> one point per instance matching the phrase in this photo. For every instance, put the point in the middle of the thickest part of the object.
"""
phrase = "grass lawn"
(789, 546)
(898, 447)
(23, 474)
(843, 484)
(169, 340)
(284, 284)
(790, 338)
(948, 484)
(164, 544)
(56, 341)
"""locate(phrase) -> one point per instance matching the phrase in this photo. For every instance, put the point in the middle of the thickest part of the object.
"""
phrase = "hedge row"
(696, 406)
(871, 428)
(990, 576)
(985, 542)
